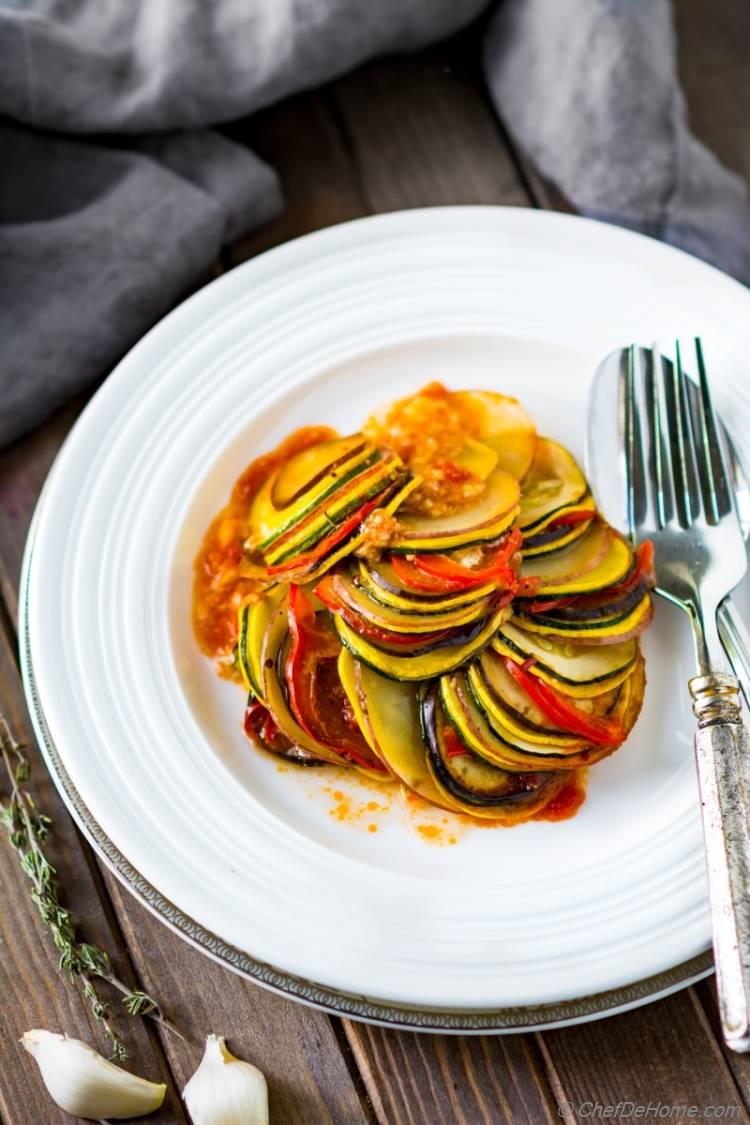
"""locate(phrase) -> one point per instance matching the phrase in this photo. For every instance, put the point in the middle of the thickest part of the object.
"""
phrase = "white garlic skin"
(225, 1090)
(85, 1084)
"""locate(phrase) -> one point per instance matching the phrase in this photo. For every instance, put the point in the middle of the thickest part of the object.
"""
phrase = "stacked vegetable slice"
(310, 512)
(482, 658)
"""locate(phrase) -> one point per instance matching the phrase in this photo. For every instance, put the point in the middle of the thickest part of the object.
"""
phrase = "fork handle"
(721, 741)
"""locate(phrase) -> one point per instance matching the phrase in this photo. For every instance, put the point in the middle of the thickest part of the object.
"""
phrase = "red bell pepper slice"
(324, 590)
(308, 560)
(559, 710)
(496, 569)
(454, 747)
(543, 607)
(316, 696)
(643, 573)
(415, 579)
(569, 519)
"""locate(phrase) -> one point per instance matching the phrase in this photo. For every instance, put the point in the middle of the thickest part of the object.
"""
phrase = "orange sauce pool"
(222, 578)
(567, 802)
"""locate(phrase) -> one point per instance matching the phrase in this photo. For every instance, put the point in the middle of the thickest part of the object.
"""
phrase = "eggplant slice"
(473, 782)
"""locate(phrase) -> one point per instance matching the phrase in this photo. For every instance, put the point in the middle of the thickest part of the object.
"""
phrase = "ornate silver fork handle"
(721, 742)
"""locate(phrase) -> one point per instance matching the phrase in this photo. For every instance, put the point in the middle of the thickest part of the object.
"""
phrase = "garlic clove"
(225, 1090)
(85, 1084)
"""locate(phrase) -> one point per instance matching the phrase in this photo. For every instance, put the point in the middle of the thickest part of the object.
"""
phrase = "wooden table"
(407, 132)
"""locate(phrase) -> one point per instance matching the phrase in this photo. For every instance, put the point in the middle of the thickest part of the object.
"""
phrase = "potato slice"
(553, 484)
(505, 426)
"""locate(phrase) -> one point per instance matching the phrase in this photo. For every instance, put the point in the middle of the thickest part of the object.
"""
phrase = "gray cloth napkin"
(99, 237)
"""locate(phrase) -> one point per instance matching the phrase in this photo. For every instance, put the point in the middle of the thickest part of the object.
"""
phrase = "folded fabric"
(99, 238)
(590, 90)
(96, 242)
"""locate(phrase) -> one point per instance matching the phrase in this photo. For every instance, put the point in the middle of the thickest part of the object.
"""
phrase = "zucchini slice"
(603, 631)
(347, 666)
(474, 782)
(392, 498)
(316, 468)
(514, 700)
(600, 559)
(381, 583)
(500, 746)
(327, 516)
(420, 665)
(390, 711)
(572, 562)
(507, 743)
(585, 504)
(305, 481)
(399, 621)
(514, 705)
(254, 621)
(548, 542)
(577, 670)
(502, 719)
(554, 482)
(503, 425)
(243, 660)
(482, 522)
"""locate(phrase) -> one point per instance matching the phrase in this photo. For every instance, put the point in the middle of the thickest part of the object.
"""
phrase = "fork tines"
(678, 470)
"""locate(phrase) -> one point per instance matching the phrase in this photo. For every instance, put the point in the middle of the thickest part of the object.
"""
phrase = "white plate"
(540, 924)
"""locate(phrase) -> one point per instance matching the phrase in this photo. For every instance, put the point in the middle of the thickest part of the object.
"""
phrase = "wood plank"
(714, 63)
(663, 1053)
(34, 994)
(422, 134)
(321, 186)
(738, 1064)
(23, 469)
(24, 466)
(294, 1046)
(452, 1080)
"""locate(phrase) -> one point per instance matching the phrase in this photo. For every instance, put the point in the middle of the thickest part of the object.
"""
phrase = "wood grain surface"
(403, 132)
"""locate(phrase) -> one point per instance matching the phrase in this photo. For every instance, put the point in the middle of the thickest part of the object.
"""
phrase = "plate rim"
(423, 1018)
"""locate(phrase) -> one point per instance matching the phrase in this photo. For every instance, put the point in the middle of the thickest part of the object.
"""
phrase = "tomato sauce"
(428, 430)
(567, 802)
(223, 578)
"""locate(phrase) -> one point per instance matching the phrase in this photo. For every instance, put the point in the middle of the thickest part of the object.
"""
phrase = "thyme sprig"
(28, 830)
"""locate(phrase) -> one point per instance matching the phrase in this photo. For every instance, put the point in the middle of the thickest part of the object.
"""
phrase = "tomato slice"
(495, 568)
(563, 713)
(259, 726)
(316, 695)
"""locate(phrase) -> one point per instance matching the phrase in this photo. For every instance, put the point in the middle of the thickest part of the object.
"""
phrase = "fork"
(680, 497)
